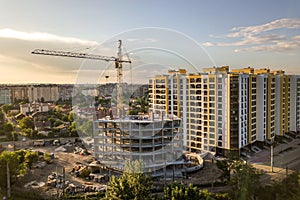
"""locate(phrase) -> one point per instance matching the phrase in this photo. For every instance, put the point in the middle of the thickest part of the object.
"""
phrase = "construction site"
(114, 138)
(156, 140)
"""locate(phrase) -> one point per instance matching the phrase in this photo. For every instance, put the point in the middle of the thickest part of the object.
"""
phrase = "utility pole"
(57, 189)
(272, 154)
(64, 181)
(8, 181)
(272, 159)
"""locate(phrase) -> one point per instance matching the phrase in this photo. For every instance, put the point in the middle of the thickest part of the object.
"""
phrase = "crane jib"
(77, 55)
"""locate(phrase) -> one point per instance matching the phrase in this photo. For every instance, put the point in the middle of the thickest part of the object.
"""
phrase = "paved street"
(284, 154)
(286, 160)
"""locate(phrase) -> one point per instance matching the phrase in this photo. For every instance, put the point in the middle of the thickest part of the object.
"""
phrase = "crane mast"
(118, 65)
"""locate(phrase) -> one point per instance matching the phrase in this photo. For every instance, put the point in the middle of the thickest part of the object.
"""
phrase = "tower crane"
(117, 60)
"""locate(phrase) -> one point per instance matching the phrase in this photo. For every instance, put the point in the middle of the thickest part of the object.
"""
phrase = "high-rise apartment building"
(261, 103)
(295, 103)
(168, 95)
(224, 110)
(282, 102)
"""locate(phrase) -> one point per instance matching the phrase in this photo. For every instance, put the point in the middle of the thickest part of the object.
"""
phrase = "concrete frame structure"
(155, 141)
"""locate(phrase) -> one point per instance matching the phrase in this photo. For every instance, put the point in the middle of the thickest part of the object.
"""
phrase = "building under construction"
(157, 141)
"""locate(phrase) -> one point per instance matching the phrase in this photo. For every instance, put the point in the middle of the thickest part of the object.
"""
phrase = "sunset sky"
(183, 34)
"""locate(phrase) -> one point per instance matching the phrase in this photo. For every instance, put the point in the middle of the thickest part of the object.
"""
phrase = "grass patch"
(87, 196)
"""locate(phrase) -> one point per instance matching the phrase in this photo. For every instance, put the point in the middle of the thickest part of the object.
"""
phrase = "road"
(284, 155)
(286, 161)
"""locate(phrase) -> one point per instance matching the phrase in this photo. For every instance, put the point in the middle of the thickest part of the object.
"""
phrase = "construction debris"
(34, 184)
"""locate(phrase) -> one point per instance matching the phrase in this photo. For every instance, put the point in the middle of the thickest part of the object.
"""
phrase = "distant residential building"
(18, 93)
(65, 91)
(47, 93)
(5, 95)
(36, 92)
(34, 107)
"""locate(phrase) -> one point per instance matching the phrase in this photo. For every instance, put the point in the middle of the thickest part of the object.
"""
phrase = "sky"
(157, 36)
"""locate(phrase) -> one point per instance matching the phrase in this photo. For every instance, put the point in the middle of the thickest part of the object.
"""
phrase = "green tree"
(139, 105)
(12, 159)
(57, 123)
(85, 127)
(52, 120)
(47, 158)
(1, 116)
(224, 166)
(17, 162)
(26, 122)
(65, 118)
(71, 117)
(242, 177)
(7, 107)
(30, 157)
(132, 184)
(244, 180)
(28, 132)
(12, 136)
(8, 127)
(287, 189)
(182, 192)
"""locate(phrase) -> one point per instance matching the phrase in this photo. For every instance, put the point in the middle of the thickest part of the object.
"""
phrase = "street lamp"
(272, 154)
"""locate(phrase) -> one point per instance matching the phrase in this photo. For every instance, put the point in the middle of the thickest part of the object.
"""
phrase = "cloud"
(287, 23)
(15, 51)
(263, 37)
(279, 46)
(39, 36)
(250, 40)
